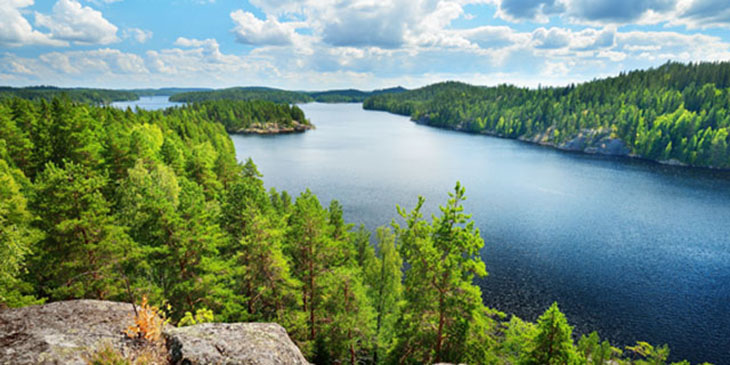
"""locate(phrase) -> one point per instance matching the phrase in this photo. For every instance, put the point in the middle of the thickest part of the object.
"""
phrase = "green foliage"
(237, 115)
(17, 238)
(281, 96)
(80, 95)
(674, 112)
(102, 203)
(442, 304)
(202, 315)
(553, 342)
(83, 245)
(244, 93)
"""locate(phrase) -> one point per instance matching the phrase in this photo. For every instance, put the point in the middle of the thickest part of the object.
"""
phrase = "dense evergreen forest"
(282, 96)
(241, 115)
(97, 202)
(80, 95)
(675, 113)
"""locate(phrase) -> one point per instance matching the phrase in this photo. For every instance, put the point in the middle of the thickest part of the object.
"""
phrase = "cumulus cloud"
(103, 61)
(490, 37)
(139, 35)
(16, 31)
(551, 38)
(618, 11)
(705, 14)
(367, 23)
(251, 30)
(535, 10)
(70, 21)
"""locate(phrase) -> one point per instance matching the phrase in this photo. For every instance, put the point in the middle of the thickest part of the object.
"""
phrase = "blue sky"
(365, 44)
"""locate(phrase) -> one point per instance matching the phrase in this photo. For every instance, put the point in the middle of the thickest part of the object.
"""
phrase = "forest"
(238, 115)
(102, 203)
(80, 95)
(676, 113)
(282, 96)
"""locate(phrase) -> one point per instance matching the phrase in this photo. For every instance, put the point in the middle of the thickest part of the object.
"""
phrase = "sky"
(364, 44)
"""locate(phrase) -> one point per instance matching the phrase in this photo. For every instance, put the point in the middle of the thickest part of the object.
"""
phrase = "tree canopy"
(676, 112)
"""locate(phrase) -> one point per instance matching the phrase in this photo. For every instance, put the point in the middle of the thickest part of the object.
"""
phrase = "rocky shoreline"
(588, 141)
(275, 128)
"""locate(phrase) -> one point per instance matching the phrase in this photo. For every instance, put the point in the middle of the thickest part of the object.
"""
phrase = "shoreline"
(567, 146)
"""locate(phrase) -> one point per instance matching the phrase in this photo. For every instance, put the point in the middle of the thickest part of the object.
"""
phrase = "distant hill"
(244, 93)
(167, 91)
(676, 113)
(79, 95)
(282, 96)
(350, 95)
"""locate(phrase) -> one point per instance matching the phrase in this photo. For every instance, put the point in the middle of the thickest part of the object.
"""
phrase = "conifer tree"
(553, 343)
(441, 300)
(83, 247)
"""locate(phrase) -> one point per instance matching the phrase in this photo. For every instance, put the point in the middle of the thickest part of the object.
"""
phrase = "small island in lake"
(254, 116)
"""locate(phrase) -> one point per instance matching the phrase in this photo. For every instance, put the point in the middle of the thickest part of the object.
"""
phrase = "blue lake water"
(634, 250)
(147, 102)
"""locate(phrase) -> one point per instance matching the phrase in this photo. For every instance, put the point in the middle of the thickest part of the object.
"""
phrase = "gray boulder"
(232, 343)
(70, 332)
(63, 332)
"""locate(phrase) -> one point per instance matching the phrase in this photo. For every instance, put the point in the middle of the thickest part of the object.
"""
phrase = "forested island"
(283, 96)
(102, 203)
(676, 113)
(256, 116)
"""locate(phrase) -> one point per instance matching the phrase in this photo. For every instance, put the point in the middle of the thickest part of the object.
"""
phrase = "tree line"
(102, 203)
(79, 95)
(282, 96)
(676, 112)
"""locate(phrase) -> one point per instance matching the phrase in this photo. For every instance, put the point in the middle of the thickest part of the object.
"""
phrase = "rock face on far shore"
(275, 128)
(233, 343)
(70, 332)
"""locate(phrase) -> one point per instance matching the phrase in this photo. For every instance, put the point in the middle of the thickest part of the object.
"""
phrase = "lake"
(631, 249)
(147, 102)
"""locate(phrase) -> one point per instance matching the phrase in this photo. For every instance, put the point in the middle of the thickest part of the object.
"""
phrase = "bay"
(631, 249)
(147, 103)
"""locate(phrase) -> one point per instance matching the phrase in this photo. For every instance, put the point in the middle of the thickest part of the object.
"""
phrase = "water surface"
(634, 250)
(147, 102)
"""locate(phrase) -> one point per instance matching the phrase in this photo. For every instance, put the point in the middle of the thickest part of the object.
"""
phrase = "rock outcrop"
(274, 128)
(233, 343)
(63, 332)
(69, 332)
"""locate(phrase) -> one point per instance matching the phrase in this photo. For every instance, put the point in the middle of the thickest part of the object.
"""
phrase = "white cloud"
(16, 31)
(532, 10)
(251, 30)
(551, 38)
(70, 21)
(100, 61)
(139, 35)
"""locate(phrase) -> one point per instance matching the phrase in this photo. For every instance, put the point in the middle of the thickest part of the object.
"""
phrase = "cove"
(631, 249)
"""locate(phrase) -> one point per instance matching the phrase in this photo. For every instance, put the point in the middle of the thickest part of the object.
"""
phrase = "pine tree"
(441, 300)
(84, 247)
(17, 237)
(553, 343)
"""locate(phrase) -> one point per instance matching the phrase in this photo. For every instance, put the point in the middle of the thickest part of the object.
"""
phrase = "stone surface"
(63, 332)
(69, 332)
(232, 343)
